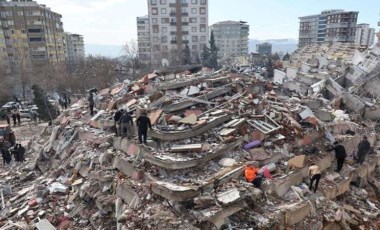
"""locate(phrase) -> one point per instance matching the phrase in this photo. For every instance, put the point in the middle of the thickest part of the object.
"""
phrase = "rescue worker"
(315, 175)
(12, 138)
(251, 175)
(14, 152)
(125, 120)
(340, 155)
(143, 122)
(18, 116)
(116, 118)
(91, 103)
(5, 154)
(20, 153)
(14, 117)
(363, 148)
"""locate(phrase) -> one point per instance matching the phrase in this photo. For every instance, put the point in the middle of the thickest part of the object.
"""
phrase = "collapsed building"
(206, 127)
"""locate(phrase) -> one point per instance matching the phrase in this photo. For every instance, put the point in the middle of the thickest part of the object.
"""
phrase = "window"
(202, 10)
(194, 47)
(193, 20)
(193, 10)
(194, 1)
(203, 20)
(203, 2)
(154, 21)
(156, 48)
(155, 39)
(20, 13)
(155, 29)
(194, 29)
(34, 30)
(164, 30)
(164, 20)
(163, 11)
(154, 11)
(11, 22)
(194, 38)
(35, 39)
(153, 2)
(164, 39)
(203, 38)
(202, 28)
(163, 2)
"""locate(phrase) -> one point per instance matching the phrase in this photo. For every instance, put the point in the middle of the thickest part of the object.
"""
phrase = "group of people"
(7, 151)
(15, 114)
(363, 149)
(253, 176)
(64, 101)
(124, 125)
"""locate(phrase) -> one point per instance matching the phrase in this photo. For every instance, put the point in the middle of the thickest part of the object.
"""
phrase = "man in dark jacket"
(340, 155)
(91, 103)
(5, 154)
(125, 128)
(116, 118)
(143, 122)
(363, 148)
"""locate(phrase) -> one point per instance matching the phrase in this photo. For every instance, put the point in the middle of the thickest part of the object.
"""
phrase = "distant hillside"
(103, 50)
(278, 45)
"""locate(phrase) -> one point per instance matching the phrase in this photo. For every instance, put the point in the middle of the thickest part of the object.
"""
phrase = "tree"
(205, 55)
(131, 53)
(6, 84)
(286, 57)
(276, 57)
(269, 67)
(186, 57)
(45, 110)
(213, 53)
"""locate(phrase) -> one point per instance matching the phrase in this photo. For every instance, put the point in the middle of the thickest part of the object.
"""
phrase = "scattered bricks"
(138, 175)
(128, 169)
(258, 136)
(128, 195)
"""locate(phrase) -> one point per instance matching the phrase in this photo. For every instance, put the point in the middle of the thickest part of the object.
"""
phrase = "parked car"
(25, 113)
(10, 105)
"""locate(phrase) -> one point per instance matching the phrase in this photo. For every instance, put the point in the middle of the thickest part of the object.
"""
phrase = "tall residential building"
(264, 49)
(365, 36)
(143, 39)
(31, 32)
(231, 37)
(175, 23)
(74, 49)
(378, 35)
(328, 26)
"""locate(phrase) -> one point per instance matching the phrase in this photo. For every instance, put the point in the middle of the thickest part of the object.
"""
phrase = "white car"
(25, 113)
(11, 105)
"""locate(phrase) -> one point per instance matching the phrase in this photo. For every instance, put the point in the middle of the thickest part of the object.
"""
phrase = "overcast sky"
(113, 22)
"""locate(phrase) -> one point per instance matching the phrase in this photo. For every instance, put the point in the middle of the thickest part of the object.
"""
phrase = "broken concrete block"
(297, 161)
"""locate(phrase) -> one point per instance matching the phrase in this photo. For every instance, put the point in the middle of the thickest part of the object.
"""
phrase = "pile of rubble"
(206, 127)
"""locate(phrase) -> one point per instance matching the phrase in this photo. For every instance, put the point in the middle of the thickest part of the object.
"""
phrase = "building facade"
(172, 25)
(30, 33)
(378, 35)
(364, 35)
(264, 49)
(231, 38)
(75, 52)
(143, 40)
(328, 26)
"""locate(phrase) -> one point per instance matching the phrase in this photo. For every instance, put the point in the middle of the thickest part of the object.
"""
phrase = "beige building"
(172, 25)
(231, 38)
(365, 36)
(143, 40)
(30, 33)
(74, 49)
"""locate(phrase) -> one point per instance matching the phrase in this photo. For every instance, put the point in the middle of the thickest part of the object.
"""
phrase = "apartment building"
(364, 36)
(74, 47)
(378, 35)
(175, 23)
(30, 33)
(264, 49)
(328, 26)
(143, 40)
(231, 37)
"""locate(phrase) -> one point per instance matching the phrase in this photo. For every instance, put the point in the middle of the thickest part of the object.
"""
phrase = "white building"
(231, 37)
(175, 23)
(143, 39)
(74, 49)
(365, 36)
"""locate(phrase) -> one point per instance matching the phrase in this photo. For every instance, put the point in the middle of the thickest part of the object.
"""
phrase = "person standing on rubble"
(14, 117)
(143, 122)
(340, 155)
(91, 103)
(126, 123)
(251, 175)
(5, 154)
(363, 148)
(116, 118)
(315, 175)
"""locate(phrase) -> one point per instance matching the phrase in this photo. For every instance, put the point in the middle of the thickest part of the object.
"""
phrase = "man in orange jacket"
(251, 176)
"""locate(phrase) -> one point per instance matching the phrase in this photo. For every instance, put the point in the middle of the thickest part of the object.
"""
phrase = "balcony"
(173, 23)
(173, 42)
(185, 23)
(175, 4)
(173, 14)
(185, 14)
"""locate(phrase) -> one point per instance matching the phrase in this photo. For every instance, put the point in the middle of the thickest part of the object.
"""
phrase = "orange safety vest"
(250, 173)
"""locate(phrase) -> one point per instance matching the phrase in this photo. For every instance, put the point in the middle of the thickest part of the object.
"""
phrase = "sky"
(113, 22)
